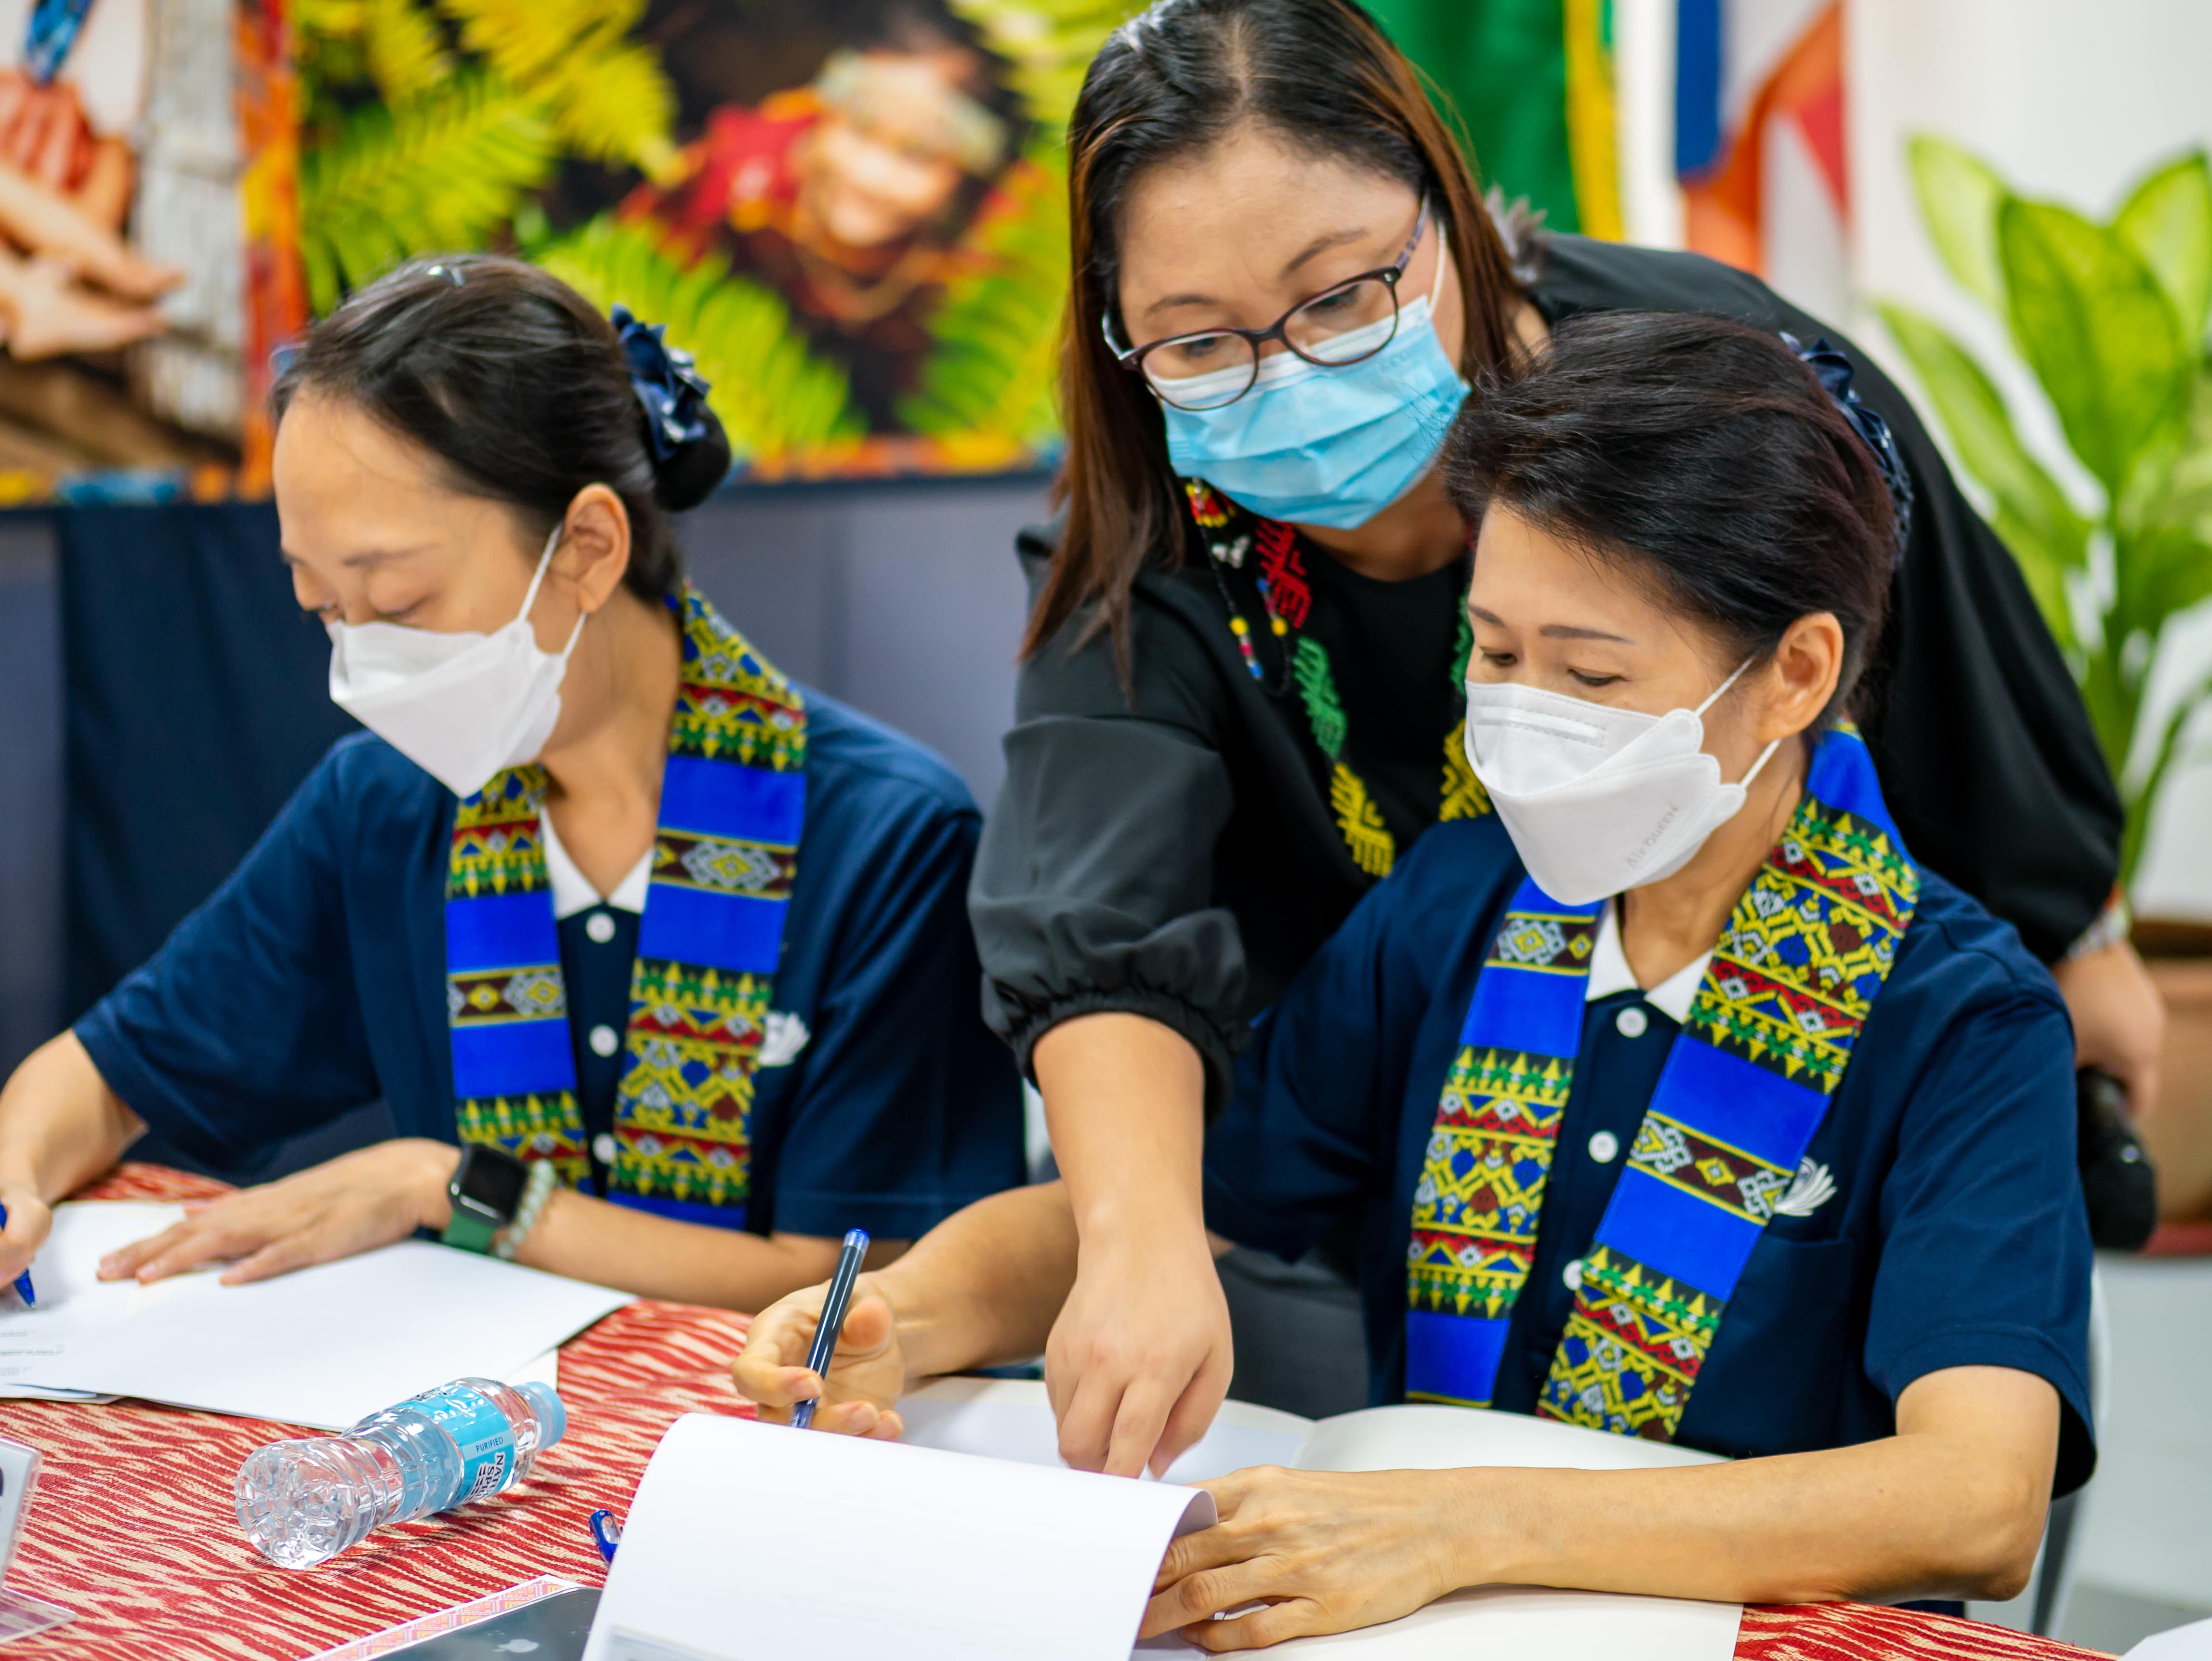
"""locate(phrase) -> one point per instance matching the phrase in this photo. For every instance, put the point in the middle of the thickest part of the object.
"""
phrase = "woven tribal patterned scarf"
(1746, 1085)
(733, 801)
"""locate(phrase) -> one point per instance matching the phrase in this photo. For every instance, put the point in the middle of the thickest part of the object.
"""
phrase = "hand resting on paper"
(1325, 1551)
(61, 1126)
(351, 1204)
(1952, 1504)
(361, 1201)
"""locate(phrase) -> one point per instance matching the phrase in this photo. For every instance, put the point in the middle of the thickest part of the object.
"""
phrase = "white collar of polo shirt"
(571, 889)
(1610, 973)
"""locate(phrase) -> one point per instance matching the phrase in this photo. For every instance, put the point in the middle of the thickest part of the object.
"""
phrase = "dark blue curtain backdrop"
(195, 692)
(195, 701)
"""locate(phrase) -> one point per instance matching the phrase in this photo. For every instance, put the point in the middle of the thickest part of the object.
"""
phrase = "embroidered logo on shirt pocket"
(782, 1037)
(1813, 1188)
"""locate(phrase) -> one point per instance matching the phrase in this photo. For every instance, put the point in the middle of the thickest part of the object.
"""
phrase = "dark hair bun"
(526, 392)
(687, 476)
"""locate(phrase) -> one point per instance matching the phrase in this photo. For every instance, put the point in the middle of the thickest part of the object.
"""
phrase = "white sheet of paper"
(2191, 1643)
(875, 1549)
(1508, 1620)
(1419, 1437)
(321, 1347)
(66, 1272)
(72, 1296)
(1012, 1420)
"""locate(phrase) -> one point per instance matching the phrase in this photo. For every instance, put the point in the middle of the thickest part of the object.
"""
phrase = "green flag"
(1532, 82)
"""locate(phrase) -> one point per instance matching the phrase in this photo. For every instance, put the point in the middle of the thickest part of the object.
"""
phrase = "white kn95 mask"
(1599, 800)
(463, 706)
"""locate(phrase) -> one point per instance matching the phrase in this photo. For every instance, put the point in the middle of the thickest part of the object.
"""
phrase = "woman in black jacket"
(1241, 697)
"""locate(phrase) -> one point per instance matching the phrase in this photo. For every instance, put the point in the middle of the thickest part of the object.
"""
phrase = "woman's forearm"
(1140, 1357)
(591, 1240)
(984, 1286)
(1125, 1101)
(60, 1125)
(1951, 1506)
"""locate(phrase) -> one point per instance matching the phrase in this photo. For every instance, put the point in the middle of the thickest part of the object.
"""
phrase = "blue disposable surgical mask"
(1328, 446)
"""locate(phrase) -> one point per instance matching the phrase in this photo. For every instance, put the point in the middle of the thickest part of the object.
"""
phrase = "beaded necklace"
(1231, 537)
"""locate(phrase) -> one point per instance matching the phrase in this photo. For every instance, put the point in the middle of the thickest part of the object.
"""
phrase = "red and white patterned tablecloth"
(132, 1526)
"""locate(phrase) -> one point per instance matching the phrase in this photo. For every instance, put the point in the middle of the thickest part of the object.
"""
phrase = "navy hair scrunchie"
(1834, 371)
(667, 383)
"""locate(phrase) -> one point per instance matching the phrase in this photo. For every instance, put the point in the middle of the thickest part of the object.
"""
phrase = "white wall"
(2067, 99)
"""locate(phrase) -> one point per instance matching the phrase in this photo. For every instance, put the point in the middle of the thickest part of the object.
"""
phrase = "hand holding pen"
(23, 1288)
(834, 1304)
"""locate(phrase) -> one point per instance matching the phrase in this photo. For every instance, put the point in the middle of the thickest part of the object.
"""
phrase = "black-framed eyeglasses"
(1212, 368)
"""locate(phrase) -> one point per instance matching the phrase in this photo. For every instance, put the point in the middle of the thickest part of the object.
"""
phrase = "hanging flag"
(1532, 81)
(1759, 140)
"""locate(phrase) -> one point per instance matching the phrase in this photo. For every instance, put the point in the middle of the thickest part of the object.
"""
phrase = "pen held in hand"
(834, 1306)
(23, 1288)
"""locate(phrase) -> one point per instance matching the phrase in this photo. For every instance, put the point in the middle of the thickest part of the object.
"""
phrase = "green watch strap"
(470, 1232)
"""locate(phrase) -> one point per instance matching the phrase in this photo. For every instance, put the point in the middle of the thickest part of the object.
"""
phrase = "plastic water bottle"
(303, 1502)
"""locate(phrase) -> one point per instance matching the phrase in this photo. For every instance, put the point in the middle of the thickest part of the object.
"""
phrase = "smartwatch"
(485, 1190)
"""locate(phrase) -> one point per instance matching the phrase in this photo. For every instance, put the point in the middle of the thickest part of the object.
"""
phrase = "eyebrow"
(1554, 630)
(1325, 241)
(361, 561)
(1313, 250)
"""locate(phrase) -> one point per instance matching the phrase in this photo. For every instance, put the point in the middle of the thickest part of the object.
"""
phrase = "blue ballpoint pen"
(606, 1533)
(23, 1280)
(833, 1318)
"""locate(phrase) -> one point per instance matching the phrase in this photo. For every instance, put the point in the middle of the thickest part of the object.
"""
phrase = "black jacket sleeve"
(1984, 745)
(1094, 888)
(1985, 750)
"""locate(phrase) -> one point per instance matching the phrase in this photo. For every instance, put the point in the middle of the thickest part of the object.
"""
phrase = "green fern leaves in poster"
(996, 327)
(433, 124)
(1050, 44)
(605, 94)
(447, 153)
(443, 169)
(772, 394)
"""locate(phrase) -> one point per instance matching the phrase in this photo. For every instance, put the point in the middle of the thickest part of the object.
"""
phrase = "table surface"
(132, 1525)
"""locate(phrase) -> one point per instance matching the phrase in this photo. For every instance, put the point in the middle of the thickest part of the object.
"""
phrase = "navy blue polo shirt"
(315, 981)
(1953, 1236)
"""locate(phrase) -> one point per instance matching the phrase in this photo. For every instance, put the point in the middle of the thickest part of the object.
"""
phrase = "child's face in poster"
(884, 164)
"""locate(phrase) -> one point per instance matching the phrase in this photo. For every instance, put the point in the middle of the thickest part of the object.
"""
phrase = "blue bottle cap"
(550, 1413)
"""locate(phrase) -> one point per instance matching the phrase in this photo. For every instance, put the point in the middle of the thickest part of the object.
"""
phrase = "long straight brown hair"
(1169, 83)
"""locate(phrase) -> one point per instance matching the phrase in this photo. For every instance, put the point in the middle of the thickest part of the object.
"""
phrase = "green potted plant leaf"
(2110, 318)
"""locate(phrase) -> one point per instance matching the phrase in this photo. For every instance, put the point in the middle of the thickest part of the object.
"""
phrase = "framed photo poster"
(851, 212)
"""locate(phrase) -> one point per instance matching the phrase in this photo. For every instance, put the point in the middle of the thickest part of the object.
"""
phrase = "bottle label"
(475, 1422)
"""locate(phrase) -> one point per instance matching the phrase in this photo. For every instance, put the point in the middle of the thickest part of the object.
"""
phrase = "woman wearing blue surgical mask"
(658, 960)
(1674, 1099)
(1241, 702)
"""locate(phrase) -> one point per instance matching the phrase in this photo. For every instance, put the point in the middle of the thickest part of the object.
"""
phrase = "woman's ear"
(1807, 664)
(594, 550)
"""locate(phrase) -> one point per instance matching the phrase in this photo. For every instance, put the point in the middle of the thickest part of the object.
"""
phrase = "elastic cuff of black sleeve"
(1217, 1046)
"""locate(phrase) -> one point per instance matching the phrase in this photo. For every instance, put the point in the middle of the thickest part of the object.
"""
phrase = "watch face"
(494, 1181)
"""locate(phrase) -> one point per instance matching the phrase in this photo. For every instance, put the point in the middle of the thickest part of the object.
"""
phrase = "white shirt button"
(600, 927)
(1631, 1022)
(1572, 1274)
(604, 1040)
(603, 1149)
(1603, 1145)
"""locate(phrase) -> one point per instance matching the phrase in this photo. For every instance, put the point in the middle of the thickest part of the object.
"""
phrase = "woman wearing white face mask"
(1241, 701)
(1674, 1100)
(658, 960)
